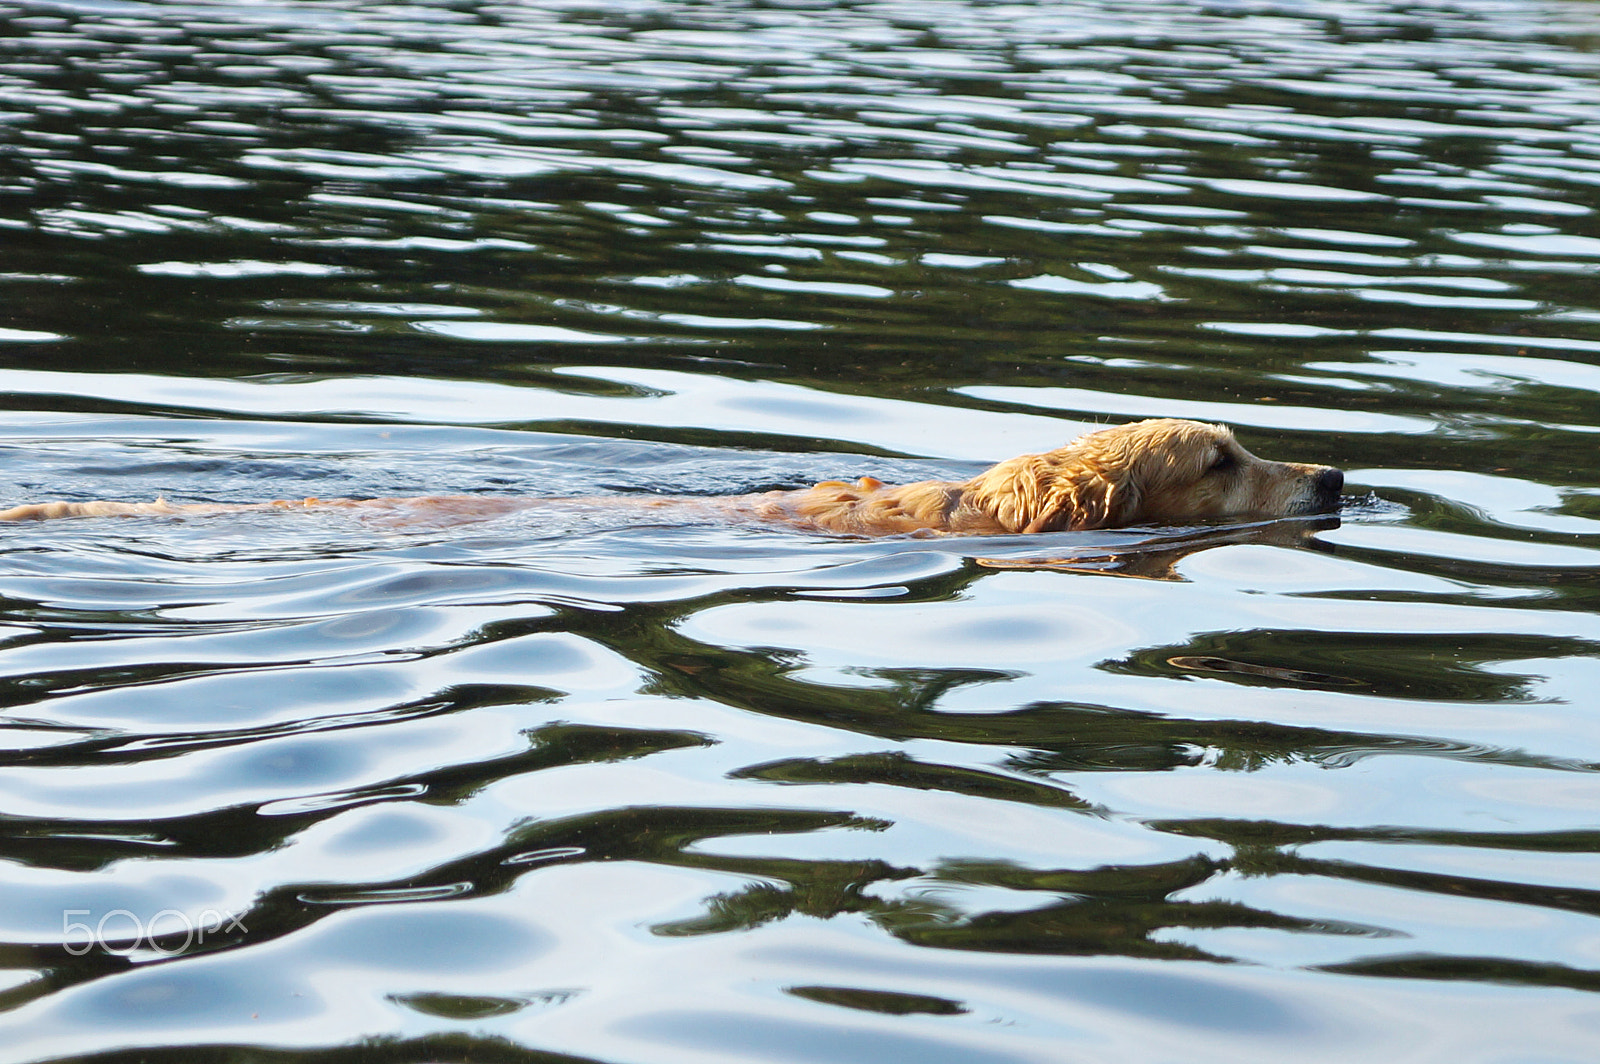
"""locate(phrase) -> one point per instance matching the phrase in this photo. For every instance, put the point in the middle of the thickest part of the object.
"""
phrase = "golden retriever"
(1163, 471)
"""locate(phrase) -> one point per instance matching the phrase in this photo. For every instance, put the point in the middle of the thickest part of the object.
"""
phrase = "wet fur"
(1164, 471)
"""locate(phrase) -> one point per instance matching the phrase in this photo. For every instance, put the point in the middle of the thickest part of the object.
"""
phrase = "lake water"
(563, 787)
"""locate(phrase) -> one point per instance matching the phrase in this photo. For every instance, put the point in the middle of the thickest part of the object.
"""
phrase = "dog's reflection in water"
(1157, 557)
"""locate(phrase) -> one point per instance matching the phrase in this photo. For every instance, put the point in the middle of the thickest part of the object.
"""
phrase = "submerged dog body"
(1163, 471)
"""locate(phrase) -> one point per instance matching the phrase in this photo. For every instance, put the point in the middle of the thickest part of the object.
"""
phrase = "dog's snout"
(1330, 482)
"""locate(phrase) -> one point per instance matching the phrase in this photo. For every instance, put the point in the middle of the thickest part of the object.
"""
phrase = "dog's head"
(1164, 471)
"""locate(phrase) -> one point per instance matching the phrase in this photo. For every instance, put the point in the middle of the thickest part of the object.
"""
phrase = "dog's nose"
(1330, 482)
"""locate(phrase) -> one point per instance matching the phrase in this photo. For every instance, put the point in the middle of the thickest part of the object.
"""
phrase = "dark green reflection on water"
(1437, 667)
(1110, 910)
(447, 1048)
(1058, 737)
(841, 172)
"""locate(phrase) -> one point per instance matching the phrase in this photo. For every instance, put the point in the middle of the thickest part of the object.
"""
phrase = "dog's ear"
(1035, 493)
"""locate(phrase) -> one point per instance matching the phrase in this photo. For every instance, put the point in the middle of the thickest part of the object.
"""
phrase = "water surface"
(282, 787)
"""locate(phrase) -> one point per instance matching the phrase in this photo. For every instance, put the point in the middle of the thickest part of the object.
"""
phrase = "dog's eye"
(1224, 462)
